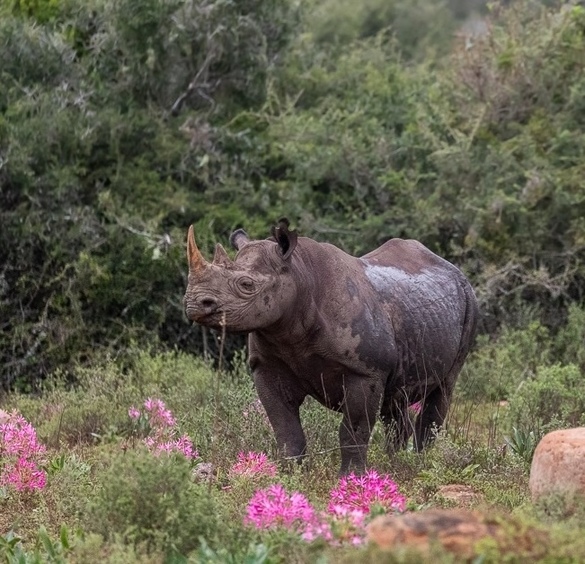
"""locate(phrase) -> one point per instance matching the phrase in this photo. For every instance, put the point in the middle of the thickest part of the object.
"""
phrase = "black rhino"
(361, 335)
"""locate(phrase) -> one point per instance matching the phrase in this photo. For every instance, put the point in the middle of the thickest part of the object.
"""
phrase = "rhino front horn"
(194, 256)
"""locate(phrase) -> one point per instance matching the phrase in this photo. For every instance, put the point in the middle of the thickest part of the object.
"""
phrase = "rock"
(558, 467)
(459, 494)
(465, 534)
(204, 471)
(457, 530)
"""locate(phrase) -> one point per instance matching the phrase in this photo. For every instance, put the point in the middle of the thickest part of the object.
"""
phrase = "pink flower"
(319, 528)
(25, 474)
(184, 445)
(272, 507)
(416, 408)
(163, 430)
(344, 521)
(253, 464)
(20, 454)
(159, 415)
(341, 525)
(361, 492)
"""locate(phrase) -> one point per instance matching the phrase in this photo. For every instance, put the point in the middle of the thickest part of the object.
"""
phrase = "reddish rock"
(558, 466)
(457, 530)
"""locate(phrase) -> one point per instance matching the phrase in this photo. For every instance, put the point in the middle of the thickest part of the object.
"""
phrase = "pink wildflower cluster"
(361, 492)
(20, 454)
(344, 520)
(272, 507)
(338, 525)
(253, 464)
(162, 437)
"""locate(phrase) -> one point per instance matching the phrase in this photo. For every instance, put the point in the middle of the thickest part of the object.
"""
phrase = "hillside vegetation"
(123, 122)
(358, 124)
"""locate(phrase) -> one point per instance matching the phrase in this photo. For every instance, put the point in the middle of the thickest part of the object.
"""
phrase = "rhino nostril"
(209, 304)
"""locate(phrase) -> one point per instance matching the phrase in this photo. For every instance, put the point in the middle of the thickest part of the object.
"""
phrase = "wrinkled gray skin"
(360, 335)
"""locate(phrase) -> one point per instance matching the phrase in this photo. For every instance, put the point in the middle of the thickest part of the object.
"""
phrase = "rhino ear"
(287, 240)
(220, 257)
(239, 239)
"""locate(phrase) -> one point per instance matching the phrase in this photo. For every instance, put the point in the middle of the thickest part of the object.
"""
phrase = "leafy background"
(122, 123)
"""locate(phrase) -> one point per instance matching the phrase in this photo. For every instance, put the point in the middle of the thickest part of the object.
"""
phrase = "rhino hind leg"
(432, 416)
(359, 417)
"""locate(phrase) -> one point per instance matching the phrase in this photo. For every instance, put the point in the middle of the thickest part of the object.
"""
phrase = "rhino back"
(397, 312)
(432, 307)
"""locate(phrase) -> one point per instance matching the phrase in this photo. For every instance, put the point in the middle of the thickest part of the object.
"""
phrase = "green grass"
(108, 498)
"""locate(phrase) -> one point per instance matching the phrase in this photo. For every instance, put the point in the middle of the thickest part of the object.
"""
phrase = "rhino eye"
(246, 285)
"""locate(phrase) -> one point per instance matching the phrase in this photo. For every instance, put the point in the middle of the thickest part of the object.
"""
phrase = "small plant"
(47, 549)
(522, 442)
(362, 492)
(273, 507)
(553, 399)
(253, 464)
(153, 501)
(159, 425)
(252, 554)
(21, 454)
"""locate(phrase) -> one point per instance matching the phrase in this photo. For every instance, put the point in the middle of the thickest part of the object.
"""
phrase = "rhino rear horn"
(194, 256)
(287, 240)
(220, 257)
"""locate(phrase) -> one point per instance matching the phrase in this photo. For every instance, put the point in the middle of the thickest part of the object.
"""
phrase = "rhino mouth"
(213, 320)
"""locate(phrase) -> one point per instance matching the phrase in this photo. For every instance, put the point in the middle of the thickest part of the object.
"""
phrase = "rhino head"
(246, 294)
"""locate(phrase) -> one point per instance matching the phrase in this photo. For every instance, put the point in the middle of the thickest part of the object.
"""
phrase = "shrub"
(153, 501)
(499, 365)
(552, 399)
(568, 344)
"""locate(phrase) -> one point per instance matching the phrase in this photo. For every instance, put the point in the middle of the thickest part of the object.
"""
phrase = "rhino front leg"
(362, 399)
(282, 400)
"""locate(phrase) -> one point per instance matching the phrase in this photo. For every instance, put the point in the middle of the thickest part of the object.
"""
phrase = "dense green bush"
(96, 183)
(553, 399)
(122, 123)
(153, 501)
(499, 365)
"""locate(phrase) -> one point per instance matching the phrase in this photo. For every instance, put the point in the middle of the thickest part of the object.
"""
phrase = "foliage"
(554, 398)
(122, 124)
(152, 500)
(416, 27)
(130, 505)
(499, 365)
(568, 344)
